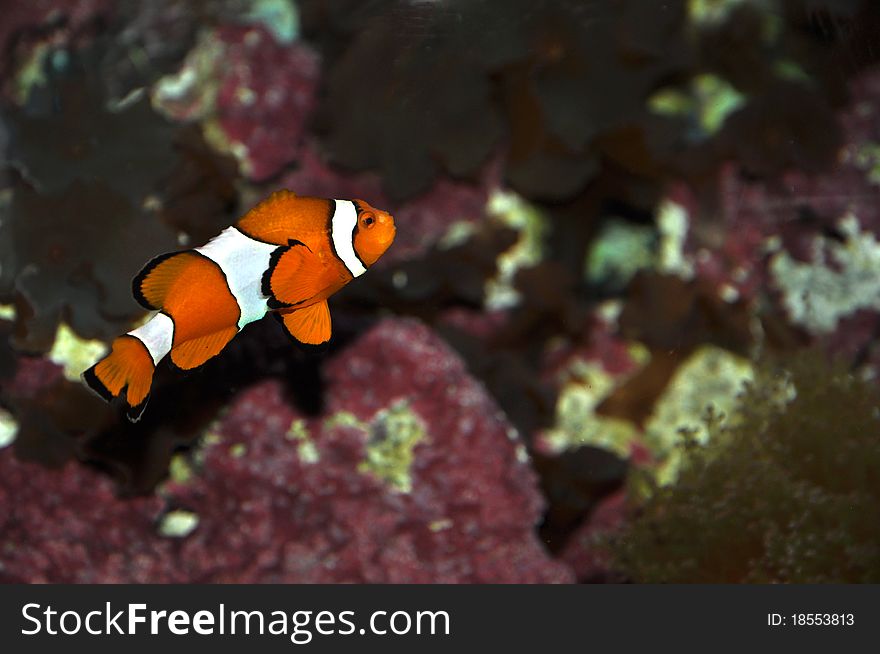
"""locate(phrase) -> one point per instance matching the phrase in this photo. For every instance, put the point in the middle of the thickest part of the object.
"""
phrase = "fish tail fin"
(127, 369)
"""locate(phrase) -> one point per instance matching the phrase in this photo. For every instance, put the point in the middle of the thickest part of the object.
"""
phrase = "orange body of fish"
(286, 256)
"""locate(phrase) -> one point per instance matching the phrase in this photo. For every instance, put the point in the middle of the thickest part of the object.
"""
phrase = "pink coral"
(19, 16)
(267, 92)
(422, 220)
(584, 551)
(268, 513)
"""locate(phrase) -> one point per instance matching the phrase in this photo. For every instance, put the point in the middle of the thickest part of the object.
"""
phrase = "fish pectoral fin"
(295, 274)
(194, 352)
(310, 325)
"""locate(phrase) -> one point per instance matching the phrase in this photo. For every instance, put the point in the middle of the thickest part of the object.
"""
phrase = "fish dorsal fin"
(310, 325)
(196, 351)
(192, 290)
(283, 214)
(295, 275)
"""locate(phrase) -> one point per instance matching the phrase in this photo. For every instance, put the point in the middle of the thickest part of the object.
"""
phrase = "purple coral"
(21, 17)
(422, 220)
(266, 94)
(794, 219)
(268, 512)
(585, 551)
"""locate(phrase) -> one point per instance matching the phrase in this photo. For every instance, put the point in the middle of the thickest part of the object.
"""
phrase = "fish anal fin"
(195, 351)
(295, 275)
(310, 325)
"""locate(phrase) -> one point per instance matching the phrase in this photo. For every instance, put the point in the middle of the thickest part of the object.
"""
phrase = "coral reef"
(610, 217)
(405, 478)
(586, 550)
(254, 93)
(60, 134)
(53, 260)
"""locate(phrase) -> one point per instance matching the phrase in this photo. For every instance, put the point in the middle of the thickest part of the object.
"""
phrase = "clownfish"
(285, 256)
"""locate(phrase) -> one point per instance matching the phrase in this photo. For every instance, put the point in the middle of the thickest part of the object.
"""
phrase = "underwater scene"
(440, 291)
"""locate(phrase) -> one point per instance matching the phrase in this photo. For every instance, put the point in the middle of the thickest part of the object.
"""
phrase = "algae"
(867, 158)
(704, 389)
(393, 436)
(619, 252)
(673, 223)
(513, 211)
(785, 492)
(73, 353)
(180, 470)
(306, 450)
(707, 103)
(8, 428)
(842, 278)
(585, 385)
(280, 17)
(178, 524)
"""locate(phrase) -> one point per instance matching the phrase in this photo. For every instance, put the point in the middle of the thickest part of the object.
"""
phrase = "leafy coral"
(7, 356)
(417, 109)
(66, 131)
(92, 183)
(200, 198)
(449, 87)
(71, 254)
(787, 492)
(570, 83)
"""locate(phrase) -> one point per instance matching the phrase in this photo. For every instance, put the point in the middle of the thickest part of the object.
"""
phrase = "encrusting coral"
(406, 479)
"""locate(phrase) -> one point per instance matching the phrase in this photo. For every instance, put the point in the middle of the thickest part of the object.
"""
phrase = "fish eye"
(368, 219)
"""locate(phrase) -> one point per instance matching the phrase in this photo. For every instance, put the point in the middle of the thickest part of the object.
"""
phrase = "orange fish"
(286, 256)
